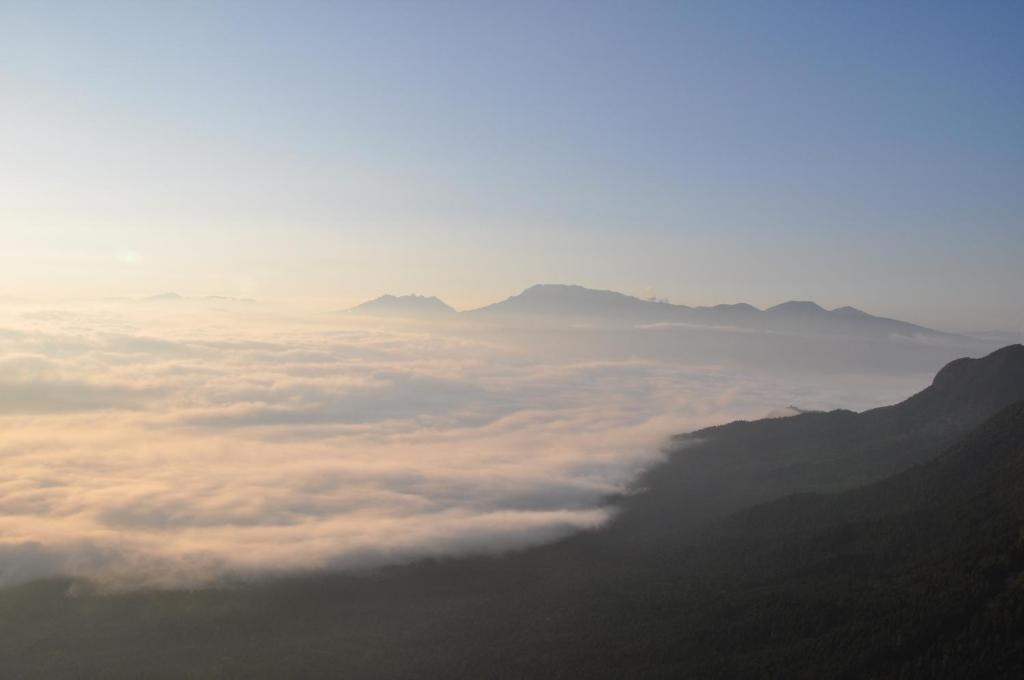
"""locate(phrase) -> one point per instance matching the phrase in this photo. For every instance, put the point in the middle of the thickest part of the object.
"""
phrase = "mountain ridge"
(565, 303)
(404, 305)
(717, 470)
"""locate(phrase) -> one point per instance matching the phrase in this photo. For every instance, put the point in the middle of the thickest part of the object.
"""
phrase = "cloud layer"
(147, 448)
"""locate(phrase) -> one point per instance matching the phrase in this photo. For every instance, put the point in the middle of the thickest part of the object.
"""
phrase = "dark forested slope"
(721, 469)
(920, 574)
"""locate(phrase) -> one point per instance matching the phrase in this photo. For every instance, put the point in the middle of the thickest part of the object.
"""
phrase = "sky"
(863, 153)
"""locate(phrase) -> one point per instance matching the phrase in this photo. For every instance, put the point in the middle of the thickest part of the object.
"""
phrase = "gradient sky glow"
(853, 153)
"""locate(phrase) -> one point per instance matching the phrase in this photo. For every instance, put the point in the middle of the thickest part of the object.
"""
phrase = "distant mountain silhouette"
(808, 317)
(555, 303)
(850, 311)
(797, 308)
(574, 303)
(740, 315)
(404, 306)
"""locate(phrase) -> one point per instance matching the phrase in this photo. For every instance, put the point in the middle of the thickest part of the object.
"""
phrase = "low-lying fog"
(181, 443)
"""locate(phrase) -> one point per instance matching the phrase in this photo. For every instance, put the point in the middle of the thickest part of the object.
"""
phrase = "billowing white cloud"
(143, 447)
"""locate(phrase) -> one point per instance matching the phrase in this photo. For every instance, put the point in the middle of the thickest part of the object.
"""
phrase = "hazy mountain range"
(556, 303)
(404, 306)
(883, 544)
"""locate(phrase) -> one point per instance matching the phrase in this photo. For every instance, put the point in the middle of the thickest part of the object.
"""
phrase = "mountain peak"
(850, 311)
(541, 287)
(567, 291)
(797, 307)
(731, 307)
(1004, 363)
(970, 389)
(403, 305)
(551, 300)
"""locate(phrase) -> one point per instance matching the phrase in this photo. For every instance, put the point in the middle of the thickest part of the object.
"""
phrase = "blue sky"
(854, 153)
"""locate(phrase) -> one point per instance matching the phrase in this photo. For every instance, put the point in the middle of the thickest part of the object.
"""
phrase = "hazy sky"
(854, 153)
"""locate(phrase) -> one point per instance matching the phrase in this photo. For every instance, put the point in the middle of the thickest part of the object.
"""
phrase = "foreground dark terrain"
(884, 544)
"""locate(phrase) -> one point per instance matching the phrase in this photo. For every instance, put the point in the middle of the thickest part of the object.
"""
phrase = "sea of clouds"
(179, 444)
